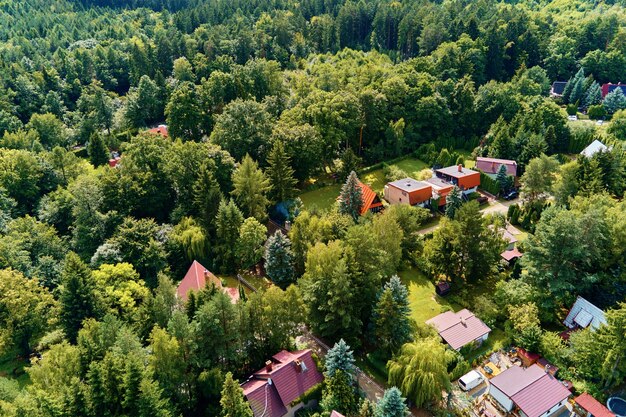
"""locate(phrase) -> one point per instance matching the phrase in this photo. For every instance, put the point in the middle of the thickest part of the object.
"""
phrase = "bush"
(571, 109)
(489, 184)
(596, 112)
(393, 173)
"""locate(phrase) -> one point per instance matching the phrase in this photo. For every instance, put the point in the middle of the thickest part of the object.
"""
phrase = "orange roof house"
(371, 201)
(440, 189)
(160, 130)
(464, 178)
(197, 278)
(408, 191)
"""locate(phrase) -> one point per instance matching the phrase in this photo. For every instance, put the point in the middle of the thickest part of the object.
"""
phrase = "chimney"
(268, 366)
(463, 322)
(460, 167)
(298, 365)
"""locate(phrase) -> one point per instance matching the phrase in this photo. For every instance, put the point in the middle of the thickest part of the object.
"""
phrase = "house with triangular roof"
(197, 278)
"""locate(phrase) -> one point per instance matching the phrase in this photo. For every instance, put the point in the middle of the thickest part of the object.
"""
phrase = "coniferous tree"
(391, 316)
(615, 101)
(78, 298)
(593, 95)
(250, 189)
(340, 394)
(233, 402)
(367, 408)
(228, 222)
(567, 90)
(279, 259)
(391, 404)
(349, 162)
(207, 197)
(351, 197)
(339, 357)
(97, 150)
(453, 202)
(502, 178)
(280, 174)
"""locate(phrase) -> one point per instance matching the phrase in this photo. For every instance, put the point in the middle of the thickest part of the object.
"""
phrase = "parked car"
(471, 380)
(572, 117)
(511, 195)
(599, 122)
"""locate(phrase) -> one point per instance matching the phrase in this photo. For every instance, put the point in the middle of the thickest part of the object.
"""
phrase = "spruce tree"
(340, 394)
(501, 178)
(97, 150)
(593, 95)
(453, 201)
(615, 101)
(233, 402)
(228, 222)
(280, 174)
(351, 197)
(567, 90)
(279, 259)
(78, 298)
(207, 197)
(339, 357)
(391, 404)
(391, 317)
(578, 91)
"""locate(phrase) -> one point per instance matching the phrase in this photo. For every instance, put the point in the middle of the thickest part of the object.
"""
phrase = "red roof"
(593, 406)
(509, 255)
(292, 374)
(531, 389)
(459, 329)
(336, 414)
(492, 165)
(196, 279)
(370, 198)
(160, 130)
(113, 162)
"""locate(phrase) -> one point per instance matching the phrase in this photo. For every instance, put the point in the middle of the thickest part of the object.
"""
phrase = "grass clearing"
(497, 340)
(322, 198)
(424, 302)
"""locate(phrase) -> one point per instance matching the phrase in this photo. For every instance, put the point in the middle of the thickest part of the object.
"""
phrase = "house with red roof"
(160, 130)
(371, 201)
(587, 406)
(491, 166)
(460, 329)
(609, 87)
(197, 278)
(531, 391)
(272, 391)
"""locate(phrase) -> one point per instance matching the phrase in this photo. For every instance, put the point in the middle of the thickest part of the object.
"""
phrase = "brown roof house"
(491, 166)
(466, 179)
(160, 130)
(532, 391)
(460, 329)
(198, 277)
(272, 391)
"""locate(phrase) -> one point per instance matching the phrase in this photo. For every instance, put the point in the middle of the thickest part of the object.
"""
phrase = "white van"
(471, 380)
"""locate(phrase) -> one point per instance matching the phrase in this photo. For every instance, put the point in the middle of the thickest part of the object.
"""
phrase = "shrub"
(571, 109)
(596, 112)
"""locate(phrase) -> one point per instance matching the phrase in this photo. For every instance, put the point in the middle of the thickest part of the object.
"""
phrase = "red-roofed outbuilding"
(160, 130)
(592, 407)
(371, 201)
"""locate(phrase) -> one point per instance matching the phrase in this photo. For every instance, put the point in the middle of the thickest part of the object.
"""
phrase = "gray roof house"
(583, 314)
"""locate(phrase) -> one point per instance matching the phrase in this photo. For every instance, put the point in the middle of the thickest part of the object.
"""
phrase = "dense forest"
(261, 99)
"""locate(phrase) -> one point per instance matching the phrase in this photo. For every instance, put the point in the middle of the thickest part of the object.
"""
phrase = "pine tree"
(78, 298)
(578, 92)
(233, 402)
(207, 197)
(453, 201)
(574, 89)
(97, 150)
(279, 259)
(367, 408)
(391, 316)
(593, 95)
(280, 174)
(501, 178)
(340, 394)
(228, 222)
(250, 189)
(351, 197)
(567, 90)
(615, 101)
(339, 357)
(391, 404)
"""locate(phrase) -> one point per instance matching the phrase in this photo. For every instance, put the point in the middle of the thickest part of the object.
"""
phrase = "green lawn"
(497, 340)
(424, 302)
(258, 282)
(323, 198)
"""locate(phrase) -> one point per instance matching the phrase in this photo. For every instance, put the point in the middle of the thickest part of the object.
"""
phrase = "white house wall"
(505, 402)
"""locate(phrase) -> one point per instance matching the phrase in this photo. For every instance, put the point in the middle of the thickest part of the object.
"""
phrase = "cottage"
(272, 390)
(557, 88)
(466, 179)
(371, 201)
(408, 191)
(491, 166)
(533, 391)
(587, 406)
(593, 148)
(609, 87)
(584, 314)
(460, 329)
(198, 277)
(113, 162)
(160, 130)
